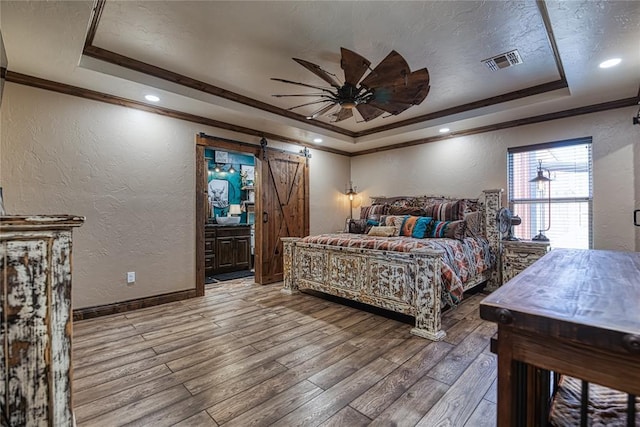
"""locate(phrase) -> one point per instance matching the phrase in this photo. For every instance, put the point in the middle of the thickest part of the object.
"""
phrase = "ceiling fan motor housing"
(349, 96)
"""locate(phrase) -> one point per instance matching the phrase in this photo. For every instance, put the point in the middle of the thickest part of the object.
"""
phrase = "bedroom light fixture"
(152, 98)
(351, 193)
(317, 140)
(540, 181)
(444, 130)
(610, 63)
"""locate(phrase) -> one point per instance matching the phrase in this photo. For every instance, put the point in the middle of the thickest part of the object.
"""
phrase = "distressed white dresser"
(35, 320)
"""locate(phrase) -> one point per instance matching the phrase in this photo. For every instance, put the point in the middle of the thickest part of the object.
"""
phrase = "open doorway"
(229, 233)
(225, 217)
(280, 207)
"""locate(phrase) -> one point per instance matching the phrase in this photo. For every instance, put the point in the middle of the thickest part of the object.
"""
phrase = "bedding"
(461, 259)
(413, 273)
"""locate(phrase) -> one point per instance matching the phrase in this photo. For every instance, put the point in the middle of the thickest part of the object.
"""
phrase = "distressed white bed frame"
(403, 282)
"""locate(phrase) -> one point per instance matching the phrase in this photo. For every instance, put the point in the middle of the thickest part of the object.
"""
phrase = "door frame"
(207, 141)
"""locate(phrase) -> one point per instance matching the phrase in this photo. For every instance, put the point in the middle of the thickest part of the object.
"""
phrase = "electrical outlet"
(131, 277)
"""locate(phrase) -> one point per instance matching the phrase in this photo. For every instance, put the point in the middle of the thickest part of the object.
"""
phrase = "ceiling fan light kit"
(391, 87)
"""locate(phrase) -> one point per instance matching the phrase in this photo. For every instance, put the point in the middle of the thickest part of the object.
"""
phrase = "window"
(567, 219)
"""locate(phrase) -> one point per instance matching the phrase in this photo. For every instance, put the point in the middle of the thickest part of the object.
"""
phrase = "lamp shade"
(234, 209)
(540, 177)
(351, 191)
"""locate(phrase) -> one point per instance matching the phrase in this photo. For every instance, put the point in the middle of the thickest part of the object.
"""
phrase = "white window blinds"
(563, 214)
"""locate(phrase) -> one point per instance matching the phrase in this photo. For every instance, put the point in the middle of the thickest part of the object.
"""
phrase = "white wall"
(328, 204)
(464, 166)
(132, 174)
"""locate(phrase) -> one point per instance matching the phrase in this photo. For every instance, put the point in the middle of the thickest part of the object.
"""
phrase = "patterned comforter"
(462, 259)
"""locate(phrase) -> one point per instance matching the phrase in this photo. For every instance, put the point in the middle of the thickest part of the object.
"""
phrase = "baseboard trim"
(134, 304)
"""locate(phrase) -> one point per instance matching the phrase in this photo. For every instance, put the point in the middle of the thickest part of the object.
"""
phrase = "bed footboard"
(403, 282)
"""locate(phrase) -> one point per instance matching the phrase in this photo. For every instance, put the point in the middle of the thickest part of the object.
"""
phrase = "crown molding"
(27, 80)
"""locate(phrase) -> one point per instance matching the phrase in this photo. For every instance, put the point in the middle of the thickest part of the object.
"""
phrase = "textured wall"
(464, 166)
(328, 204)
(132, 174)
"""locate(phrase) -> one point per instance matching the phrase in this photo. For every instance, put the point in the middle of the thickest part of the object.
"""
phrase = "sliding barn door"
(283, 210)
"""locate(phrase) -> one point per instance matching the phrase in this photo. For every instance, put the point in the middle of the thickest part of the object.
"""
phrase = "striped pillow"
(449, 211)
(447, 229)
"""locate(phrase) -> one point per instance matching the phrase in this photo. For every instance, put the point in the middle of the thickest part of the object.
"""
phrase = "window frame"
(511, 201)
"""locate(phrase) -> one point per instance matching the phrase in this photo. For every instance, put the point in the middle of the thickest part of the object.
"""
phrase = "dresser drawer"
(518, 255)
(209, 262)
(209, 246)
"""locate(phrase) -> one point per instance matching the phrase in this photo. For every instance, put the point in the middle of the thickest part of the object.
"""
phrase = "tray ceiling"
(237, 47)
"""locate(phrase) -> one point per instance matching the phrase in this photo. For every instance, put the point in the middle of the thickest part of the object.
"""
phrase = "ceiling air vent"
(503, 60)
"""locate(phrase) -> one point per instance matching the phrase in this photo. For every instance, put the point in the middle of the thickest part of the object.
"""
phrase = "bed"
(413, 276)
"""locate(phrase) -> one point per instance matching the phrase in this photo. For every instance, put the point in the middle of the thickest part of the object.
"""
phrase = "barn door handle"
(265, 217)
(635, 218)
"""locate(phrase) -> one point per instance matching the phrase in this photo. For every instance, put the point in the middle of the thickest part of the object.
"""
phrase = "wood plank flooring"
(247, 355)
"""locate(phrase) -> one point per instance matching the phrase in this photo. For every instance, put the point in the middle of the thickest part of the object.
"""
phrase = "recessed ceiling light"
(152, 98)
(610, 63)
(444, 130)
(317, 140)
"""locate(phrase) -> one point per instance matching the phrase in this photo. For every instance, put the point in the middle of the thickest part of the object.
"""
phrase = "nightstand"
(520, 254)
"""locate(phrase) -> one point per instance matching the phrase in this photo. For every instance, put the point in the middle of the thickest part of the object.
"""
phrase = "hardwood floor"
(246, 354)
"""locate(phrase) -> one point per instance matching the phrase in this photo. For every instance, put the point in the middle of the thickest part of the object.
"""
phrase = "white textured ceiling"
(240, 45)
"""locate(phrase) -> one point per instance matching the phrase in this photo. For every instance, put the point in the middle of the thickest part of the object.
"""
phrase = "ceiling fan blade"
(302, 94)
(403, 95)
(421, 94)
(353, 65)
(390, 72)
(369, 112)
(343, 114)
(419, 80)
(322, 101)
(321, 111)
(394, 108)
(413, 91)
(315, 69)
(324, 89)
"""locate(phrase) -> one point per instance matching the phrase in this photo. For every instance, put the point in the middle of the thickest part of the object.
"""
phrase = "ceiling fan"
(390, 87)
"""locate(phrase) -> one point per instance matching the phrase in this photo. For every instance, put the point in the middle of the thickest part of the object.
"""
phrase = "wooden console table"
(574, 312)
(35, 320)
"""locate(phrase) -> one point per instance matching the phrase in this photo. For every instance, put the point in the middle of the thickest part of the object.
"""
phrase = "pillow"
(373, 211)
(382, 231)
(395, 220)
(406, 210)
(356, 226)
(447, 229)
(364, 212)
(469, 205)
(449, 211)
(408, 225)
(377, 211)
(473, 224)
(420, 229)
